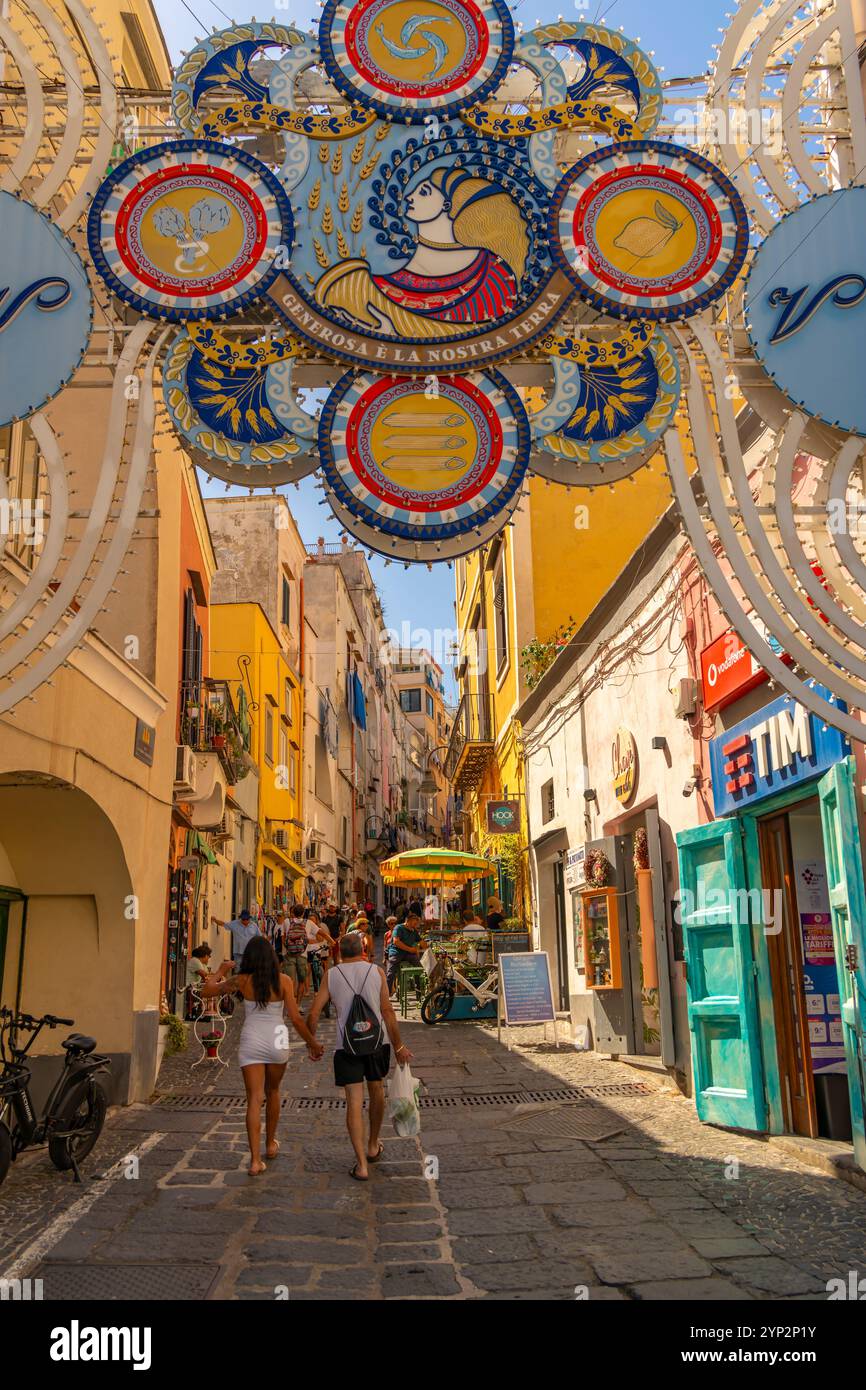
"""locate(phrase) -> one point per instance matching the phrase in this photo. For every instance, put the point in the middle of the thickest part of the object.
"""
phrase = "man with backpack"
(365, 1017)
(295, 963)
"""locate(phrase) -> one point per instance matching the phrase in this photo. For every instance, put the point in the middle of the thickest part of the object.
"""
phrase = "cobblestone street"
(493, 1201)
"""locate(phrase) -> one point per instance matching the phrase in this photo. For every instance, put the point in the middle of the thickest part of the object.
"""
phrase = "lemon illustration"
(647, 236)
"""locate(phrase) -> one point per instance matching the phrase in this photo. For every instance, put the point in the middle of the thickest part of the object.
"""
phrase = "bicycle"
(74, 1113)
(436, 1004)
(316, 963)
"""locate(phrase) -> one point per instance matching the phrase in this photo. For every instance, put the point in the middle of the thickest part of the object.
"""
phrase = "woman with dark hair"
(263, 1050)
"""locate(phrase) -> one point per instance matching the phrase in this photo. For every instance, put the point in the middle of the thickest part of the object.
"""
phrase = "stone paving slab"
(647, 1214)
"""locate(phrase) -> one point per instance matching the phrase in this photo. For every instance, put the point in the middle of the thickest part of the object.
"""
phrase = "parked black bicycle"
(74, 1113)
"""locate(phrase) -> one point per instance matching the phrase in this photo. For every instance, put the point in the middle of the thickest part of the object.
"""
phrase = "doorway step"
(831, 1156)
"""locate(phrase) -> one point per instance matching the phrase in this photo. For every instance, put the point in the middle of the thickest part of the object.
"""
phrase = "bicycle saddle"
(77, 1042)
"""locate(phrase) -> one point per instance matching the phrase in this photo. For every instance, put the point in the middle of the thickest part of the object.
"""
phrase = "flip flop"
(258, 1172)
(353, 1173)
(275, 1152)
(374, 1158)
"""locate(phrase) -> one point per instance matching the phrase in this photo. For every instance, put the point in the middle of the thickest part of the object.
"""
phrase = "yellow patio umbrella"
(435, 866)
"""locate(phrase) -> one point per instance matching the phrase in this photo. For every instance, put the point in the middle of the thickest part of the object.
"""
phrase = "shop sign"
(624, 763)
(728, 671)
(145, 737)
(575, 868)
(503, 817)
(805, 303)
(526, 992)
(779, 747)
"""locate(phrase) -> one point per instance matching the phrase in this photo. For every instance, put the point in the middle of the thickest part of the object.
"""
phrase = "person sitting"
(405, 948)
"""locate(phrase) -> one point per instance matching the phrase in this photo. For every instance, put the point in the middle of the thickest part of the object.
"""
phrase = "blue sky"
(682, 36)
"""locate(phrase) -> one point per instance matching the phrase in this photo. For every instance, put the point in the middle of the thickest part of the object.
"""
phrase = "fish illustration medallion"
(648, 230)
(409, 58)
(189, 229)
(424, 464)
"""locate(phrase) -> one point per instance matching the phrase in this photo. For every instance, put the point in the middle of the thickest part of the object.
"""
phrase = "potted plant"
(211, 1041)
(218, 732)
(171, 1037)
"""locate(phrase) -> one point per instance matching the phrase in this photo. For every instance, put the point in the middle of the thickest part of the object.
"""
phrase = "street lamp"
(428, 785)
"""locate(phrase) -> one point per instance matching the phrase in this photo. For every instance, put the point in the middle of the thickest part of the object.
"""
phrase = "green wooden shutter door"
(848, 910)
(723, 1016)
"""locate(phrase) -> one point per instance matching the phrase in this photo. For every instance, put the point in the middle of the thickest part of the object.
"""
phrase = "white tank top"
(351, 978)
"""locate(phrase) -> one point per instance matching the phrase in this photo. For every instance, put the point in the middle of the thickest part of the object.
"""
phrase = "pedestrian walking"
(365, 1015)
(243, 930)
(295, 964)
(405, 948)
(263, 1049)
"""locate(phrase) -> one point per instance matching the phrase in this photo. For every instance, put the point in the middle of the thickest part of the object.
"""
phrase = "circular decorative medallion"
(405, 59)
(647, 229)
(805, 304)
(621, 407)
(46, 309)
(422, 255)
(189, 229)
(421, 463)
(420, 552)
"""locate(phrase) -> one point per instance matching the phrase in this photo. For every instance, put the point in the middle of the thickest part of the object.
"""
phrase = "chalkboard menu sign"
(504, 942)
(525, 989)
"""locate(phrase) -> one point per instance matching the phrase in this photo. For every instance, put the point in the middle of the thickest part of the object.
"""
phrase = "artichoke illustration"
(207, 215)
(646, 236)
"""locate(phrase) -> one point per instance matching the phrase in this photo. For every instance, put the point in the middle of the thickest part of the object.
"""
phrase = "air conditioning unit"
(685, 698)
(281, 839)
(312, 852)
(185, 771)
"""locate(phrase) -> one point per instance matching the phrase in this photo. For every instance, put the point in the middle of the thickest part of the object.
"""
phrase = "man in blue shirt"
(243, 929)
(405, 948)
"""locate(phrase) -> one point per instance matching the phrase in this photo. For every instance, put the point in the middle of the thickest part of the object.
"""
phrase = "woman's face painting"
(425, 202)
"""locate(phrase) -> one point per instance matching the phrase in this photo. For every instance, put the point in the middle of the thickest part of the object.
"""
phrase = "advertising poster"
(820, 980)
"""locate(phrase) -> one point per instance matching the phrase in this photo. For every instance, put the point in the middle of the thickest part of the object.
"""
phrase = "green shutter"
(848, 911)
(717, 944)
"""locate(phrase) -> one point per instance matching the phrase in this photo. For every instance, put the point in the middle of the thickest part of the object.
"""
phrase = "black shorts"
(349, 1070)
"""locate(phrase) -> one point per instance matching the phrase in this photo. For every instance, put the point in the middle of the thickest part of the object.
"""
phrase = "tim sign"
(728, 670)
(771, 751)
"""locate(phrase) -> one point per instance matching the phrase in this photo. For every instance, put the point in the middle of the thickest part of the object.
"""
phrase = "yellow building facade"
(247, 651)
(541, 577)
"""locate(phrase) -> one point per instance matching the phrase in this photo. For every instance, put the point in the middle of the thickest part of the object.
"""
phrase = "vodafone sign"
(728, 670)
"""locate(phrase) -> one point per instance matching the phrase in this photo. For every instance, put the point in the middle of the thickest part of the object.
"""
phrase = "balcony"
(211, 724)
(471, 743)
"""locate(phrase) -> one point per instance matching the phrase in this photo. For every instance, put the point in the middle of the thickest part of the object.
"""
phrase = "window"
(500, 618)
(288, 700)
(293, 776)
(286, 604)
(269, 736)
(345, 835)
(410, 701)
(548, 802)
(284, 749)
(431, 712)
(268, 894)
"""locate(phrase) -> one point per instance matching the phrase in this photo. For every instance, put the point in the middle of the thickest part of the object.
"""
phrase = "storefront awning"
(197, 844)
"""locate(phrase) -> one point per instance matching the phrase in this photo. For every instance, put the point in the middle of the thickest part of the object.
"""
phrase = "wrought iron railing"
(209, 722)
(473, 723)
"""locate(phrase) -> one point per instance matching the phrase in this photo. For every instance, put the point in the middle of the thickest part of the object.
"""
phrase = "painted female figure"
(471, 252)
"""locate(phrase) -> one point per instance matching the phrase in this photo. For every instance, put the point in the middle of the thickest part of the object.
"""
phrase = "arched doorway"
(68, 944)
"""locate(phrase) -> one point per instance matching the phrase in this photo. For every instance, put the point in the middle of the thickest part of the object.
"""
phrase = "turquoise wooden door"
(848, 909)
(717, 944)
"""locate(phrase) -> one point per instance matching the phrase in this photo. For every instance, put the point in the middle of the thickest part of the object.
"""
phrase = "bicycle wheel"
(5, 1151)
(83, 1112)
(437, 1005)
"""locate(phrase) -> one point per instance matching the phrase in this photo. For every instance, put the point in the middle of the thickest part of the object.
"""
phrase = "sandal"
(254, 1172)
(276, 1148)
(353, 1173)
(374, 1158)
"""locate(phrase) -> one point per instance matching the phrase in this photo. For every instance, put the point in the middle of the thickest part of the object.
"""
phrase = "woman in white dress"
(263, 1050)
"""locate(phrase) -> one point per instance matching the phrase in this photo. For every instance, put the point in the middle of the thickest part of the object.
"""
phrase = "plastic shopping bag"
(403, 1107)
(428, 962)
